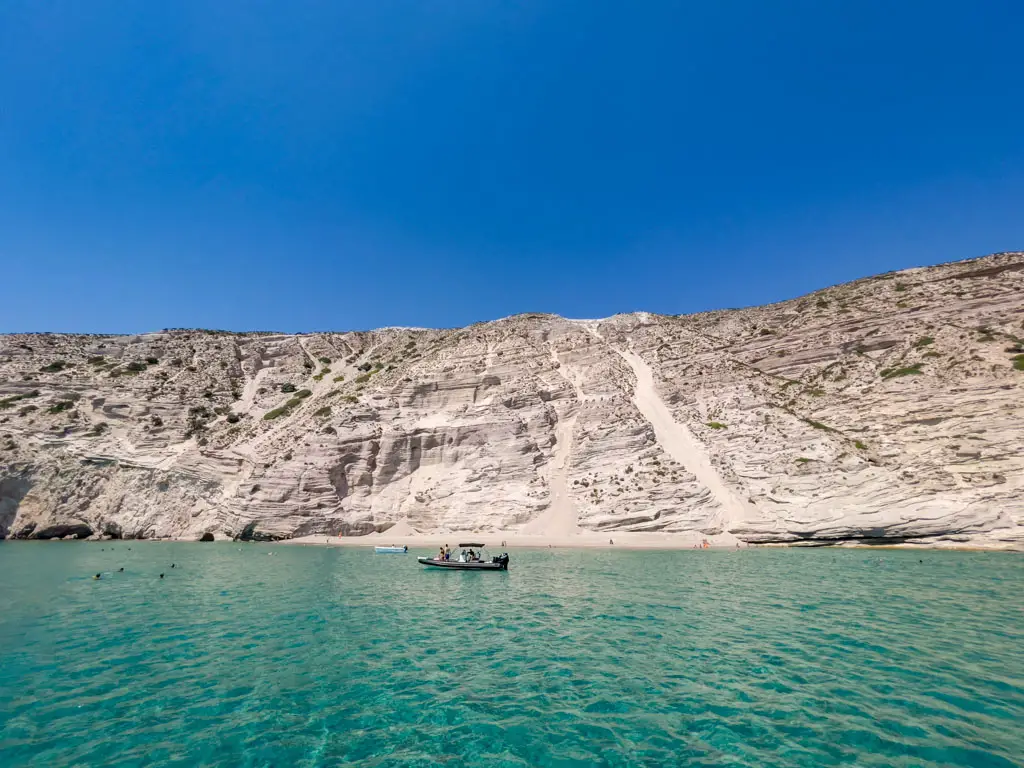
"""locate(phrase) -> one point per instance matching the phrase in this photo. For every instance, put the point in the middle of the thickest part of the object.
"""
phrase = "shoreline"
(622, 541)
(498, 541)
(578, 540)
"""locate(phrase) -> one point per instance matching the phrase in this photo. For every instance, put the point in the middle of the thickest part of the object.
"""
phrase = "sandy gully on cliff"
(885, 410)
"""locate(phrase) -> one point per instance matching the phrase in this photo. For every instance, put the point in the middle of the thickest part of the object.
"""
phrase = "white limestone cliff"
(884, 410)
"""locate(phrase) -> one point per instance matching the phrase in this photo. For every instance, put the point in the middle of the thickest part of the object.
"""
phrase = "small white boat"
(390, 550)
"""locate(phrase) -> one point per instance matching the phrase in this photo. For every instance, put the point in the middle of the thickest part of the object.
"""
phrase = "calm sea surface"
(322, 657)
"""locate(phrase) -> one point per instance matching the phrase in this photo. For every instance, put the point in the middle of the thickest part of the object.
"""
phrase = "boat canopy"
(472, 545)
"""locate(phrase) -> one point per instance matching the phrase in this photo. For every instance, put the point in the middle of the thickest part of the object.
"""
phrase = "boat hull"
(454, 565)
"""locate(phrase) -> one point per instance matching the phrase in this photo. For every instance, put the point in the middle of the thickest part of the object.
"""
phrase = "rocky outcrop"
(884, 410)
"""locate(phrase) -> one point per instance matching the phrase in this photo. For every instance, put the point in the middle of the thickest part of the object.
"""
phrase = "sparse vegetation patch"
(895, 373)
(818, 425)
(7, 402)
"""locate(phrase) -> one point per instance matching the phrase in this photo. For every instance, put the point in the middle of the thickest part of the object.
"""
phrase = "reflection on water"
(316, 657)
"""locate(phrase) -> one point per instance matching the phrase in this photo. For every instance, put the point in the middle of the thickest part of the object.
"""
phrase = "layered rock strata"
(884, 410)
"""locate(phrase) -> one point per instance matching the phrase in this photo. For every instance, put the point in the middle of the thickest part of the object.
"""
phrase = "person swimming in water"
(120, 570)
(161, 575)
(98, 576)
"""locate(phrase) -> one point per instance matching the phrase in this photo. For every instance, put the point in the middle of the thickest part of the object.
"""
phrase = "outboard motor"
(503, 560)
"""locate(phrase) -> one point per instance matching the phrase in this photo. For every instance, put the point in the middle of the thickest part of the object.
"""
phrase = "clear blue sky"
(334, 164)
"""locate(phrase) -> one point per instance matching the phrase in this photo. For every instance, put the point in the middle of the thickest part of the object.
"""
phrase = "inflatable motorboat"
(469, 559)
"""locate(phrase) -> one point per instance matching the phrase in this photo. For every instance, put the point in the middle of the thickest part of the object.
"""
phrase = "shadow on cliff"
(12, 491)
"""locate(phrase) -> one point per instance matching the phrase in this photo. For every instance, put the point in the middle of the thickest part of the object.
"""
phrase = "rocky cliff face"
(888, 409)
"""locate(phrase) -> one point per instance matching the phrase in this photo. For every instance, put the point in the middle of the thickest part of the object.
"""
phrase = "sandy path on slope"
(560, 519)
(679, 443)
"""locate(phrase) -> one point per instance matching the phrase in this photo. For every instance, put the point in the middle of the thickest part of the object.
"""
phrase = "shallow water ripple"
(316, 657)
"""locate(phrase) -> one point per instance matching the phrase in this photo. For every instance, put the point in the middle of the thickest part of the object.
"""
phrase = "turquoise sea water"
(322, 657)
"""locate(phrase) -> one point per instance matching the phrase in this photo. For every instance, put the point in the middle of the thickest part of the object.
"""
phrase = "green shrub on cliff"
(895, 373)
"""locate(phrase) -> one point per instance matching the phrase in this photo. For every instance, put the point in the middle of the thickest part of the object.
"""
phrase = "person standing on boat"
(447, 552)
(440, 554)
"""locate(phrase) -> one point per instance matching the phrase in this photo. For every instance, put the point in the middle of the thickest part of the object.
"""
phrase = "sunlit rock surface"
(884, 410)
